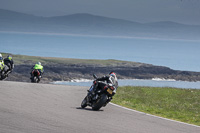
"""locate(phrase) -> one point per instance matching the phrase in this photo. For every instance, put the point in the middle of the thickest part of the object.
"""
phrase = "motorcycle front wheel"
(84, 103)
(2, 76)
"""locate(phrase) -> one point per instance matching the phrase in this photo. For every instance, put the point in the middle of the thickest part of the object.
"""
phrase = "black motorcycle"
(101, 96)
(35, 76)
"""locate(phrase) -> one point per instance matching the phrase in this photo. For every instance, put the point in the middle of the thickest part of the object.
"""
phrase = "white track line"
(154, 115)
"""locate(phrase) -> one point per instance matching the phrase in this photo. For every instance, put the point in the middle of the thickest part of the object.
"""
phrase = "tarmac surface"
(48, 108)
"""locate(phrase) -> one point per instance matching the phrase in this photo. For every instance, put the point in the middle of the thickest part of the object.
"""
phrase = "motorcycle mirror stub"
(95, 76)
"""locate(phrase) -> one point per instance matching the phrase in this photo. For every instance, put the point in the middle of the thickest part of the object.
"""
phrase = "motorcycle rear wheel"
(100, 102)
(34, 79)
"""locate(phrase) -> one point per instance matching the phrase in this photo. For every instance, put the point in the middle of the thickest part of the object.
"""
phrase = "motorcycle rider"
(3, 68)
(39, 67)
(9, 62)
(1, 64)
(110, 79)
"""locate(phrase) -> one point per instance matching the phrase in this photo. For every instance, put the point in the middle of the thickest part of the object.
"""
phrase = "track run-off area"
(49, 108)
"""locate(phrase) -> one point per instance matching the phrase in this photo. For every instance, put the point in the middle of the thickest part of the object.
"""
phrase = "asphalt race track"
(47, 108)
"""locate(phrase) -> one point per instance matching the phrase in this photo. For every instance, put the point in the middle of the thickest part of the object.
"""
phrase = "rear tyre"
(34, 79)
(100, 102)
(38, 80)
(84, 103)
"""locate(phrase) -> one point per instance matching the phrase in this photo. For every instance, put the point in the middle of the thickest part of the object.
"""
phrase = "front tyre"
(100, 102)
(34, 79)
(2, 76)
(84, 102)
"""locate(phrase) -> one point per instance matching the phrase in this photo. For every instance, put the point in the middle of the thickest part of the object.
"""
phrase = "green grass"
(178, 104)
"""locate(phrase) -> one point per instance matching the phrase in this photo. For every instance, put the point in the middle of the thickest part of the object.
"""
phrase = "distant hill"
(88, 24)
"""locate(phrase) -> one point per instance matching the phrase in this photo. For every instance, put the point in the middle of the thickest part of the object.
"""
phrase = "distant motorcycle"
(4, 72)
(100, 98)
(35, 76)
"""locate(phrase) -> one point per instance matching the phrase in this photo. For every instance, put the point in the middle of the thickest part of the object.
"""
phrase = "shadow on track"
(88, 109)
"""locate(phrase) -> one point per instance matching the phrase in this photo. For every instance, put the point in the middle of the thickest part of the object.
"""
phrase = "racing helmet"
(113, 74)
(9, 57)
(1, 58)
(39, 63)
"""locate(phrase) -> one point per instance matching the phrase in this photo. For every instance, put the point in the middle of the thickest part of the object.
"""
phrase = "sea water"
(138, 82)
(176, 54)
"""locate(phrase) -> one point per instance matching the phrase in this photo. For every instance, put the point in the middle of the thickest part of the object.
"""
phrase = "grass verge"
(173, 103)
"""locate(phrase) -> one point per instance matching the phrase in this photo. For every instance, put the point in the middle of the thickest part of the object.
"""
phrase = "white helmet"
(1, 57)
(39, 63)
(113, 74)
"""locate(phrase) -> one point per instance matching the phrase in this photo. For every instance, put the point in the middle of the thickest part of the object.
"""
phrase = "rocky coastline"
(66, 72)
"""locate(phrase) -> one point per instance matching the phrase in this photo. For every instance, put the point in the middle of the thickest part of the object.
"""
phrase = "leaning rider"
(1, 63)
(110, 79)
(9, 62)
(39, 67)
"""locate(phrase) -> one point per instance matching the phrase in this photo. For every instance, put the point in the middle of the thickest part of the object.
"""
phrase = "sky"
(181, 11)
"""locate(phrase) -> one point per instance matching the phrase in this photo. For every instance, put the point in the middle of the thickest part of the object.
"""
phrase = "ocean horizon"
(175, 54)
